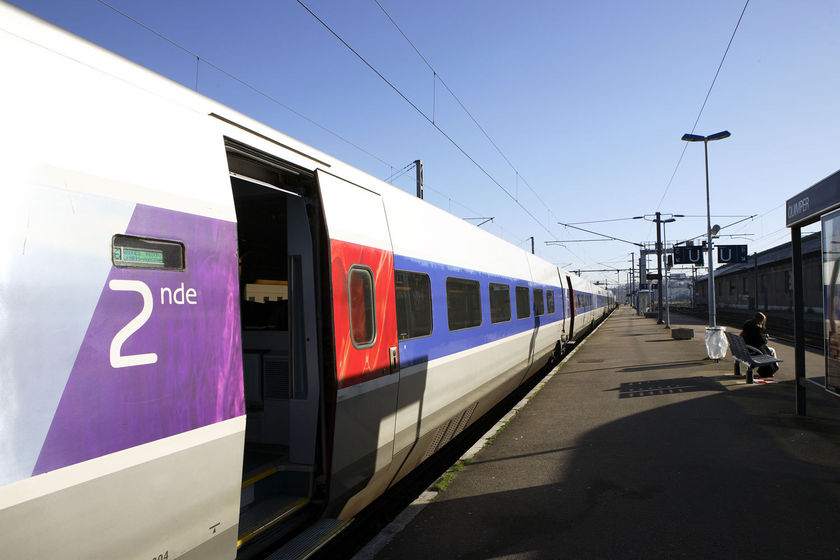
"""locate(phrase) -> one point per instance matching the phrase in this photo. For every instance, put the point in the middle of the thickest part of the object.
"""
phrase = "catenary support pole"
(659, 316)
(418, 168)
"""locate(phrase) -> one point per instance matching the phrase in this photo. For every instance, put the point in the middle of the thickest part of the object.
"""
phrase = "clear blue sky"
(587, 100)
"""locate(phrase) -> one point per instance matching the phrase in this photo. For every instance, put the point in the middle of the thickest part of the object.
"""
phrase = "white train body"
(199, 317)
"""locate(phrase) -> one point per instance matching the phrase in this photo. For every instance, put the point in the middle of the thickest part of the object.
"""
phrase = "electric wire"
(242, 82)
(270, 98)
(708, 93)
(461, 104)
(397, 174)
(425, 116)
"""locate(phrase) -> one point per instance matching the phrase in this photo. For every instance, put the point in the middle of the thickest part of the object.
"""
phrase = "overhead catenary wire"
(705, 100)
(397, 174)
(250, 86)
(241, 81)
(437, 78)
(428, 119)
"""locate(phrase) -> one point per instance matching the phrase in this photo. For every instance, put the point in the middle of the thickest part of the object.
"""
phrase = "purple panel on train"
(196, 379)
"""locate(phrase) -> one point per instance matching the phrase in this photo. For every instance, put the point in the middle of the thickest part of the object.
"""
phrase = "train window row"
(583, 300)
(414, 304)
(463, 303)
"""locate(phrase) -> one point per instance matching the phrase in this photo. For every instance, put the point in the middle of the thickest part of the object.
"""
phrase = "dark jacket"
(755, 335)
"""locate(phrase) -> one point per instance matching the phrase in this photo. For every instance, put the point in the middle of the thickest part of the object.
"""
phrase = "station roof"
(810, 244)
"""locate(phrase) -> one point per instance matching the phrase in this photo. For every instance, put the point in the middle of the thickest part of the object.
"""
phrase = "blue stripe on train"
(442, 341)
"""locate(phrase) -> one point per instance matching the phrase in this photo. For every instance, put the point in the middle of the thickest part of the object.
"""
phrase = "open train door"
(571, 308)
(365, 329)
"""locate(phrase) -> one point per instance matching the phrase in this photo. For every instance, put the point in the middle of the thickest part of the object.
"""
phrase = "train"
(217, 338)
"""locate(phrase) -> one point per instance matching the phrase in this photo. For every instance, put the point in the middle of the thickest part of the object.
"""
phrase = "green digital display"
(140, 256)
(140, 252)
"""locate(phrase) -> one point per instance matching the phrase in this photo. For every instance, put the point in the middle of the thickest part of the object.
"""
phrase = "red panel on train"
(358, 362)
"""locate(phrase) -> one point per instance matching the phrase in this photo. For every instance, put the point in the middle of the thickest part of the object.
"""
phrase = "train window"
(549, 300)
(362, 306)
(414, 304)
(539, 302)
(463, 303)
(499, 303)
(128, 251)
(523, 302)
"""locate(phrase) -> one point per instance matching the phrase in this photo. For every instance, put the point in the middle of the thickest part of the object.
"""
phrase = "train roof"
(21, 24)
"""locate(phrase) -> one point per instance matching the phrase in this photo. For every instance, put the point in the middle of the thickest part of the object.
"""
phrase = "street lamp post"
(706, 139)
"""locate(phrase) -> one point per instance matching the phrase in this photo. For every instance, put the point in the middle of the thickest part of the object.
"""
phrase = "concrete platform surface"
(640, 447)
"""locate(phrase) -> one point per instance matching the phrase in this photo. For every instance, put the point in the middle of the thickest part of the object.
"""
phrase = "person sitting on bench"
(755, 335)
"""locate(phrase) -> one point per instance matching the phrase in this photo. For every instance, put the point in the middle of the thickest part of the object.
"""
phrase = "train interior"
(277, 281)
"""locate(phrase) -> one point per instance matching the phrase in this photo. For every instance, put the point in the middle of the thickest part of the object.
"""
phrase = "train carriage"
(214, 335)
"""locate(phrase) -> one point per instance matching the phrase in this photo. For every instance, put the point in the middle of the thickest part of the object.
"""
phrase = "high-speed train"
(213, 335)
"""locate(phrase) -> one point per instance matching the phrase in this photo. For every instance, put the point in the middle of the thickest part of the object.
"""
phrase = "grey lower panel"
(217, 547)
(168, 504)
(364, 442)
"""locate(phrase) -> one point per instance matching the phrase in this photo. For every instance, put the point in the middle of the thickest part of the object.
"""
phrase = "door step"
(265, 514)
(311, 540)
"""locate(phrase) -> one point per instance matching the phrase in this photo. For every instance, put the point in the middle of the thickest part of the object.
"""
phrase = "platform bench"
(748, 355)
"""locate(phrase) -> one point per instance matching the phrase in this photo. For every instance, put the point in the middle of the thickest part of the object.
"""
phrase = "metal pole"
(667, 293)
(712, 321)
(418, 168)
(659, 319)
(693, 288)
(642, 276)
(798, 318)
(532, 244)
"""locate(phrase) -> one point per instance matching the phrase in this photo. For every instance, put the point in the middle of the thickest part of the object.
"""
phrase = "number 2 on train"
(116, 357)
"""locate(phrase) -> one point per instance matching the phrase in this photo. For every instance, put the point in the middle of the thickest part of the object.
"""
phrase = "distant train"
(214, 335)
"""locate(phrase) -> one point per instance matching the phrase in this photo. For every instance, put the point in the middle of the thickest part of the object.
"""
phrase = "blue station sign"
(689, 255)
(810, 204)
(730, 254)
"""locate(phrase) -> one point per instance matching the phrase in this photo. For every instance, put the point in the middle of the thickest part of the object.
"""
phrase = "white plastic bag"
(716, 343)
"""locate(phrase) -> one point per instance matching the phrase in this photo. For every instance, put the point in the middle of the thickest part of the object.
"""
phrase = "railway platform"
(638, 446)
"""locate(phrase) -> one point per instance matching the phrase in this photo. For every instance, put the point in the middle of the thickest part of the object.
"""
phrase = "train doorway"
(278, 283)
(571, 308)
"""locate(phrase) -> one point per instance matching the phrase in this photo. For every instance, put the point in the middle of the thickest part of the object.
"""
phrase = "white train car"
(215, 336)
